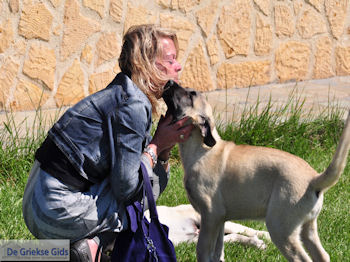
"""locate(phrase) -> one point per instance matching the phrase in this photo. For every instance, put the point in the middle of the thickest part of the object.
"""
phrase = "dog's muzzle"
(177, 99)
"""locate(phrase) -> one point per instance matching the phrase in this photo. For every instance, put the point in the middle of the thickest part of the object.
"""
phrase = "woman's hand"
(168, 134)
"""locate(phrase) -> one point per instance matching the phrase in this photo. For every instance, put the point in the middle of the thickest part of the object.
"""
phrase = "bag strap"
(149, 193)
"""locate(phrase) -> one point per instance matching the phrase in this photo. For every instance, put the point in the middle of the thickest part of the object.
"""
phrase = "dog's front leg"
(219, 254)
(207, 240)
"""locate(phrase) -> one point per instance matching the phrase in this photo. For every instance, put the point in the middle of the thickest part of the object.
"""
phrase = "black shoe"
(80, 251)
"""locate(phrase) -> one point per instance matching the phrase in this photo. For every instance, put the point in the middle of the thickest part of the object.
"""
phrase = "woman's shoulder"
(128, 86)
(124, 88)
(121, 93)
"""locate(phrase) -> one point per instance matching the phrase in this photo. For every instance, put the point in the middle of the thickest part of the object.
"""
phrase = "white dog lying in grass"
(183, 222)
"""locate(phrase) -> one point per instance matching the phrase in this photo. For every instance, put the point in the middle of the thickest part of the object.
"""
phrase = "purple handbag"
(143, 240)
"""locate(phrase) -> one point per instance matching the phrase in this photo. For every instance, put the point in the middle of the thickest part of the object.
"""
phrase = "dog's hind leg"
(312, 242)
(289, 244)
(285, 232)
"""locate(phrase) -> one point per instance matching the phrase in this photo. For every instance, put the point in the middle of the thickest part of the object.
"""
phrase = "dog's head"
(182, 102)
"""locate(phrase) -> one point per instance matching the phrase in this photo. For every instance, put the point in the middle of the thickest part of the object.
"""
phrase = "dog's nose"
(169, 84)
(172, 84)
(170, 88)
(167, 88)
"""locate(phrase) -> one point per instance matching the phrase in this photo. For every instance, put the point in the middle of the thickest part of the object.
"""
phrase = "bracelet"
(153, 156)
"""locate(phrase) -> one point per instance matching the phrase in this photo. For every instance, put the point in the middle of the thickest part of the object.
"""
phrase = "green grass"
(18, 144)
(288, 128)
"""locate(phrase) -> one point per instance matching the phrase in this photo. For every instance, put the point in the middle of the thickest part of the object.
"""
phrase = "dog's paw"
(264, 235)
(259, 243)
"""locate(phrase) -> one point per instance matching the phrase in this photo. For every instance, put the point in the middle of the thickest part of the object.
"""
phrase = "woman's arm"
(129, 128)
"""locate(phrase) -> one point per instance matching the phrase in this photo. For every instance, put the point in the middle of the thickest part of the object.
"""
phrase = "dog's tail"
(332, 174)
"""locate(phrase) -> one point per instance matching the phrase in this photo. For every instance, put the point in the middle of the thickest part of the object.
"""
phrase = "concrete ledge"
(29, 121)
(317, 96)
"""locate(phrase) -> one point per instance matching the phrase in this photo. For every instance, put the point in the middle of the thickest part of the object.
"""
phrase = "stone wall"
(55, 52)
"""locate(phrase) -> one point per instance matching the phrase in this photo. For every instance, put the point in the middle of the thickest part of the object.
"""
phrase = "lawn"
(313, 138)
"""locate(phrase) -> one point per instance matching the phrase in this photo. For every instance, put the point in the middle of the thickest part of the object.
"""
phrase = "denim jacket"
(105, 134)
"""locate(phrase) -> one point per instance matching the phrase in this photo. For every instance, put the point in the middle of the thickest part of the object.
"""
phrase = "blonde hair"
(141, 47)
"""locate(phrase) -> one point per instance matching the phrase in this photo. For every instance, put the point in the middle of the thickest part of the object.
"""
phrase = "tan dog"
(183, 223)
(225, 181)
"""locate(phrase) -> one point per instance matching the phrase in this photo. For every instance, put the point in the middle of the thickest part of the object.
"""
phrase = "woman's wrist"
(151, 151)
(163, 159)
(164, 155)
(156, 156)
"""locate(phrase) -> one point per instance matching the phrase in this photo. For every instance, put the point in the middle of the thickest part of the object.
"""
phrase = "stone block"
(41, 64)
(86, 54)
(116, 10)
(284, 24)
(234, 28)
(206, 17)
(77, 29)
(196, 73)
(292, 60)
(311, 23)
(28, 96)
(336, 11)
(20, 47)
(107, 47)
(297, 6)
(213, 50)
(71, 88)
(137, 15)
(164, 3)
(96, 5)
(9, 71)
(35, 22)
(14, 5)
(6, 36)
(263, 37)
(244, 74)
(99, 81)
(184, 5)
(323, 58)
(342, 57)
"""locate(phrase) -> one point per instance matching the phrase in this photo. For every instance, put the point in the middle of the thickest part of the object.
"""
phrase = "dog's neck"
(194, 148)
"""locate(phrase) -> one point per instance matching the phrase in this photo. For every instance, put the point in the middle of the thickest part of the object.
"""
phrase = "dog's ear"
(205, 128)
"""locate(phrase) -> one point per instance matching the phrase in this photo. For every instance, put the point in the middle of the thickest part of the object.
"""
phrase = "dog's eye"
(202, 120)
(190, 96)
(193, 93)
